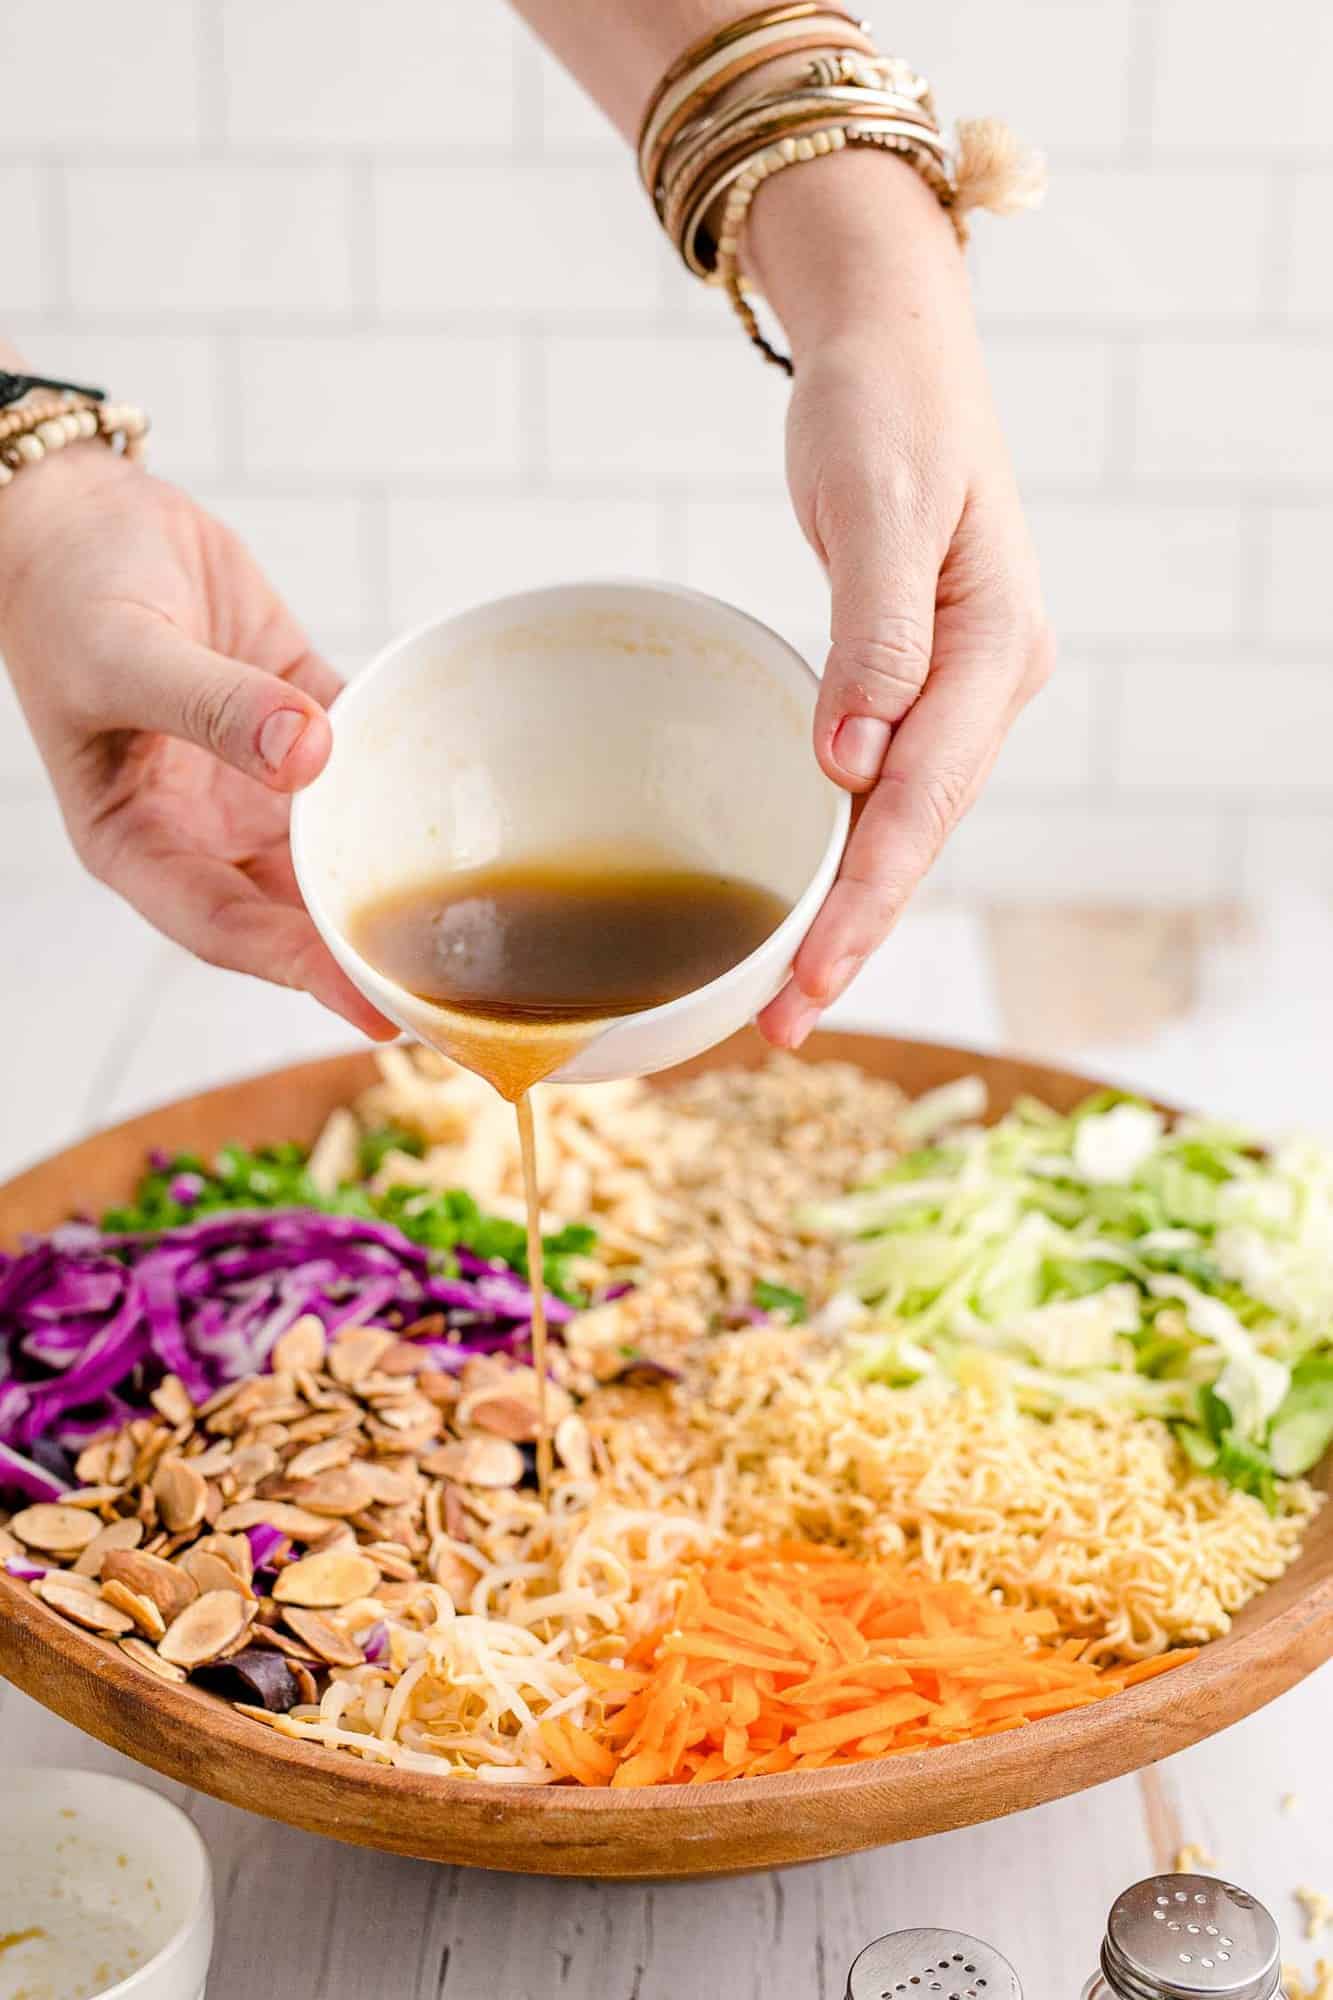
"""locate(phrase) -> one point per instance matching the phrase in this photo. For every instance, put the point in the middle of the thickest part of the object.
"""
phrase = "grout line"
(231, 405)
(1141, 82)
(54, 216)
(211, 75)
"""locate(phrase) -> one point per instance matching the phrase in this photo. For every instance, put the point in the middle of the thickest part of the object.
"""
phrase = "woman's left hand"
(902, 484)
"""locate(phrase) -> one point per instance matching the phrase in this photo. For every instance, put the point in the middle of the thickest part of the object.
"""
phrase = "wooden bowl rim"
(1110, 1737)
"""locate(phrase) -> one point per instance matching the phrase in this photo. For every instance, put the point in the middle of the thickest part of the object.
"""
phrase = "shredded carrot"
(796, 1656)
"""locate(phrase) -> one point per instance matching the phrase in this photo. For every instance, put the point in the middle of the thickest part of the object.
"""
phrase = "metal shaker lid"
(1177, 1937)
(931, 1965)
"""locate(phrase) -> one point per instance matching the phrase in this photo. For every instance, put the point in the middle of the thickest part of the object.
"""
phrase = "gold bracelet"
(704, 150)
(815, 29)
(709, 172)
(31, 430)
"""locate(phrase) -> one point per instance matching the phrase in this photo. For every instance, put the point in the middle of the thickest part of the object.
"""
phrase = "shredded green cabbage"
(1108, 1260)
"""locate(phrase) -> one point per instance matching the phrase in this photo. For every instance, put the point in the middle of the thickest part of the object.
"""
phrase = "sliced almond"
(210, 1572)
(356, 1350)
(320, 1457)
(119, 1461)
(324, 1638)
(253, 1462)
(306, 1683)
(92, 1497)
(302, 1346)
(168, 1586)
(326, 1581)
(438, 1387)
(324, 1424)
(9, 1545)
(151, 1660)
(574, 1446)
(181, 1494)
(116, 1535)
(405, 1357)
(343, 1490)
(389, 1486)
(214, 1460)
(339, 1536)
(85, 1607)
(502, 1416)
(492, 1462)
(448, 1569)
(298, 1522)
(233, 1549)
(92, 1464)
(58, 1530)
(172, 1400)
(205, 1629)
(279, 1642)
(392, 1560)
(140, 1609)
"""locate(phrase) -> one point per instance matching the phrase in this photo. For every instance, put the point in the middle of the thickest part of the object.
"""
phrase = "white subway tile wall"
(384, 277)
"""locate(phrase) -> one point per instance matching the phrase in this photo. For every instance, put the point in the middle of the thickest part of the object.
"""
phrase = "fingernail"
(842, 975)
(802, 1021)
(280, 735)
(859, 745)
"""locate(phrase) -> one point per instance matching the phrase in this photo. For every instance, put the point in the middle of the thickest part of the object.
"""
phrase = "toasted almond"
(137, 1607)
(91, 1465)
(574, 1446)
(151, 1660)
(478, 1462)
(302, 1346)
(253, 1462)
(298, 1522)
(215, 1459)
(85, 1607)
(405, 1357)
(233, 1549)
(210, 1572)
(324, 1424)
(389, 1487)
(170, 1589)
(355, 1351)
(320, 1457)
(205, 1629)
(305, 1682)
(9, 1545)
(393, 1561)
(279, 1642)
(172, 1399)
(501, 1416)
(119, 1461)
(116, 1535)
(448, 1569)
(455, 1514)
(438, 1387)
(326, 1581)
(339, 1536)
(92, 1497)
(181, 1495)
(56, 1529)
(324, 1638)
(343, 1490)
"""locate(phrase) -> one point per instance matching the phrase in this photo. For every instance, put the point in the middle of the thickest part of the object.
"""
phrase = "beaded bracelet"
(45, 421)
(705, 146)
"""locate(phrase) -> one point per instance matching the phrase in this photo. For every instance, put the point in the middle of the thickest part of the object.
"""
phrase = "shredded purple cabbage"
(375, 1645)
(89, 1322)
(23, 1569)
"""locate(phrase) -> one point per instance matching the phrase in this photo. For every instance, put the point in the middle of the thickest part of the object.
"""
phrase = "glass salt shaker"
(1187, 1937)
(931, 1965)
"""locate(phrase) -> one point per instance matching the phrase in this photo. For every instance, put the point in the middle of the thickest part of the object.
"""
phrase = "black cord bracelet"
(12, 387)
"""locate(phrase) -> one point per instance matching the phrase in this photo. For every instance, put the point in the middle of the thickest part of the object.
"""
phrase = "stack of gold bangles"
(796, 82)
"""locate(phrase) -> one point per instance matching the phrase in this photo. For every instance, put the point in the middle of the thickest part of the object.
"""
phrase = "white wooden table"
(100, 1018)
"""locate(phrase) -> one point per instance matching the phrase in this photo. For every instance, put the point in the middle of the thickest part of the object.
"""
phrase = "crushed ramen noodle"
(1100, 1520)
(473, 1669)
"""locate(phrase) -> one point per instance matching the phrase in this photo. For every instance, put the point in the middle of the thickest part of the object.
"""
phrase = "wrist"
(34, 506)
(852, 242)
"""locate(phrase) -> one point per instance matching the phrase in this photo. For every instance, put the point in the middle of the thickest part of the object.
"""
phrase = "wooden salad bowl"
(195, 1737)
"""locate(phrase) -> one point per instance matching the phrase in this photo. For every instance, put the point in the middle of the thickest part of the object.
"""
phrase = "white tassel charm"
(993, 170)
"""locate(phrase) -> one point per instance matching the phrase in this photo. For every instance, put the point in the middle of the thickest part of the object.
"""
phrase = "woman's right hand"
(176, 704)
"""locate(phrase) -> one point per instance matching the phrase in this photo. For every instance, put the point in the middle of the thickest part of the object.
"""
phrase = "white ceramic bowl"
(631, 715)
(117, 1879)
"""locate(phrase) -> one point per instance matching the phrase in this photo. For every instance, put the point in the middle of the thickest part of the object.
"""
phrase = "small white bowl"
(635, 716)
(115, 1877)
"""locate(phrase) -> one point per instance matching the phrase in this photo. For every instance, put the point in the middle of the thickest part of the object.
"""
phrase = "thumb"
(882, 630)
(255, 721)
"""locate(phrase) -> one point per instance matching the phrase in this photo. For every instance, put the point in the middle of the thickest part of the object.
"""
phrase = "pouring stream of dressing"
(525, 961)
